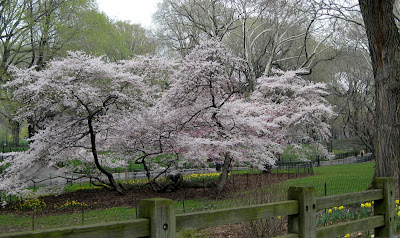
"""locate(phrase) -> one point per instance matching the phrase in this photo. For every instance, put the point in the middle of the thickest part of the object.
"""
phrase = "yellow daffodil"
(362, 205)
(279, 217)
(397, 201)
(341, 208)
(330, 211)
(347, 236)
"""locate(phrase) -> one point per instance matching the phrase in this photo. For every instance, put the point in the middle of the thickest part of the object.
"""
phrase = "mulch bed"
(102, 198)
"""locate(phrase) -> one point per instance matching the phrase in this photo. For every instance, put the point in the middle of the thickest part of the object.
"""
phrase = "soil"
(103, 198)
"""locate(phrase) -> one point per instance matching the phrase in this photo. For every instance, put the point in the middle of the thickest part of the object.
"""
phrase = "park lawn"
(339, 151)
(16, 223)
(339, 179)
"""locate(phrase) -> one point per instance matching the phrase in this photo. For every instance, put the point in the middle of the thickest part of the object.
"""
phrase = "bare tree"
(266, 33)
(353, 94)
(183, 23)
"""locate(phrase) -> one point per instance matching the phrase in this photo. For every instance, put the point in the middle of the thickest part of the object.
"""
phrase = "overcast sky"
(137, 11)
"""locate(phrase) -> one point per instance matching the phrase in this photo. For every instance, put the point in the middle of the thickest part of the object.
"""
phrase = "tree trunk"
(223, 179)
(31, 129)
(268, 67)
(15, 127)
(109, 175)
(384, 45)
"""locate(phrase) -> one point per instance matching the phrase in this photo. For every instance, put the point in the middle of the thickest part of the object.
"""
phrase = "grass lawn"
(15, 223)
(339, 179)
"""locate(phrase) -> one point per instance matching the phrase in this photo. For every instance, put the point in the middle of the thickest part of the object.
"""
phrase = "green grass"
(6, 149)
(192, 234)
(339, 179)
(339, 151)
(13, 223)
(80, 186)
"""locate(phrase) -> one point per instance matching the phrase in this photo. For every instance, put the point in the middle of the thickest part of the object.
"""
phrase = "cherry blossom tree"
(304, 112)
(76, 101)
(217, 122)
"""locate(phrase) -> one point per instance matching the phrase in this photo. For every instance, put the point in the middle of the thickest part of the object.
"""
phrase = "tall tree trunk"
(248, 56)
(223, 179)
(268, 67)
(15, 132)
(384, 45)
(15, 127)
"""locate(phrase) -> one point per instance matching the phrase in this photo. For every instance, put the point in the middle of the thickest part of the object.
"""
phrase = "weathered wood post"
(386, 207)
(161, 213)
(303, 223)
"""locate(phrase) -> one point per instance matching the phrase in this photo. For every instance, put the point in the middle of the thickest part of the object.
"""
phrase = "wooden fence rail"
(158, 218)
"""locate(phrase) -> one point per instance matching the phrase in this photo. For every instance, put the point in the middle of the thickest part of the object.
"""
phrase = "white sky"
(137, 11)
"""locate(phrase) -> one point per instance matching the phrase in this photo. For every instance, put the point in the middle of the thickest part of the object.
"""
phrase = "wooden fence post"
(303, 223)
(386, 207)
(161, 213)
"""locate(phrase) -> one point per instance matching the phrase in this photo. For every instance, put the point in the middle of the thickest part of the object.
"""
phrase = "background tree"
(280, 34)
(13, 36)
(349, 74)
(136, 39)
(184, 23)
(98, 35)
(30, 35)
(353, 94)
(36, 31)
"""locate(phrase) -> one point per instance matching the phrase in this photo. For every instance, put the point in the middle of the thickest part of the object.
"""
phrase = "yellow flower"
(362, 205)
(397, 201)
(398, 214)
(279, 217)
(335, 208)
(341, 208)
(367, 204)
(372, 202)
(330, 211)
(347, 236)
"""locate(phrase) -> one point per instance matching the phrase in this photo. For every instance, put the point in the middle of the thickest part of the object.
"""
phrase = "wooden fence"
(159, 218)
